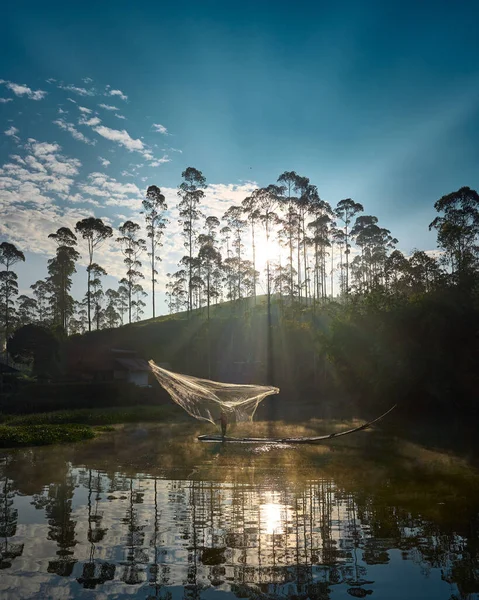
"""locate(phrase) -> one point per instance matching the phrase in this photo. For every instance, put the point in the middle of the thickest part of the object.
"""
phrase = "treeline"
(326, 253)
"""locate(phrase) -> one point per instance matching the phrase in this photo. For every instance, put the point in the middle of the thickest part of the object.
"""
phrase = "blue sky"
(378, 101)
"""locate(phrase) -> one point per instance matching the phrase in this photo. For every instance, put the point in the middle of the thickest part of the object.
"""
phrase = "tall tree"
(112, 315)
(267, 200)
(191, 193)
(458, 229)
(132, 247)
(95, 232)
(345, 211)
(233, 217)
(41, 290)
(26, 311)
(61, 269)
(290, 182)
(96, 290)
(154, 207)
(210, 258)
(9, 255)
(253, 215)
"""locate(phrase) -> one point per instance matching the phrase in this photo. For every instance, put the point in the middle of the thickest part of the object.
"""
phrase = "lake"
(150, 512)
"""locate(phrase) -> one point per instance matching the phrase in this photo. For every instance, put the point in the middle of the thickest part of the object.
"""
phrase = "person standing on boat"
(223, 423)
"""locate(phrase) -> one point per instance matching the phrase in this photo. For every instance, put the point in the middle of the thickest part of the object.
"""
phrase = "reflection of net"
(206, 400)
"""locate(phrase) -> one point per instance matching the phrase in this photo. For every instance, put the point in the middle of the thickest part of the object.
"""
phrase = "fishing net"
(206, 400)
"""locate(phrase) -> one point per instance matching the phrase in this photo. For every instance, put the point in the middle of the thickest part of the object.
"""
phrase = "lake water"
(149, 512)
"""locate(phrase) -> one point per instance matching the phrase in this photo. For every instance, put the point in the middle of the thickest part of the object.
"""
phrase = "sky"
(372, 100)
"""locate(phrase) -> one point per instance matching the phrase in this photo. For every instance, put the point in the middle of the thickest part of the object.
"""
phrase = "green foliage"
(97, 416)
(35, 345)
(41, 435)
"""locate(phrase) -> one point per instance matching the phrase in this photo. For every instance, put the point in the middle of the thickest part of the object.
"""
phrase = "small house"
(99, 363)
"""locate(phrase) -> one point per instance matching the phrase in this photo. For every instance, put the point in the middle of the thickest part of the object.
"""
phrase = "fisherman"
(224, 424)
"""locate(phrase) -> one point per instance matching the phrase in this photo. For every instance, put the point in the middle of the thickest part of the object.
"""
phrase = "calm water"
(141, 514)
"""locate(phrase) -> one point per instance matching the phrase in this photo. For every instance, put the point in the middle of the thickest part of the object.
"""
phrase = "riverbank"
(65, 426)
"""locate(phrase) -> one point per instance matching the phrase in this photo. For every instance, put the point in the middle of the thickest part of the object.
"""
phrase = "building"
(99, 363)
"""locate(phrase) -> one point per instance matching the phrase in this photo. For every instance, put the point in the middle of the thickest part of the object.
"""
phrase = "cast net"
(206, 400)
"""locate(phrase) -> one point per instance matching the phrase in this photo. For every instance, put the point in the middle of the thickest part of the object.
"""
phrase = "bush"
(41, 435)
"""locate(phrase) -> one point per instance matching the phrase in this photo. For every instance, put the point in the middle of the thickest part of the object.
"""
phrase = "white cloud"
(77, 90)
(71, 100)
(108, 107)
(87, 80)
(122, 137)
(23, 90)
(119, 116)
(5, 100)
(118, 93)
(104, 162)
(92, 122)
(62, 112)
(159, 128)
(160, 161)
(113, 192)
(84, 110)
(12, 132)
(78, 135)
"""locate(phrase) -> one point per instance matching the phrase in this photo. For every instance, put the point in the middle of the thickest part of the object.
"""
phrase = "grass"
(42, 435)
(95, 416)
(63, 426)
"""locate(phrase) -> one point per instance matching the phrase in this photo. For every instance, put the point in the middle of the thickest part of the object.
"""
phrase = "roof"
(133, 364)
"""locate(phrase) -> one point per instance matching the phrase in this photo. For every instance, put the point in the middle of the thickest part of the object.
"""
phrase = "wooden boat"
(299, 440)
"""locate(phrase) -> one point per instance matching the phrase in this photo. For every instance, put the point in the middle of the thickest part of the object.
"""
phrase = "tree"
(253, 215)
(423, 271)
(112, 315)
(267, 201)
(96, 290)
(95, 232)
(36, 345)
(61, 269)
(290, 182)
(26, 311)
(308, 198)
(41, 290)
(154, 206)
(9, 255)
(345, 211)
(132, 247)
(458, 229)
(191, 193)
(237, 225)
(209, 257)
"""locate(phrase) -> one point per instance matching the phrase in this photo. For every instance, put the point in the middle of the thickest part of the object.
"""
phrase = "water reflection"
(300, 524)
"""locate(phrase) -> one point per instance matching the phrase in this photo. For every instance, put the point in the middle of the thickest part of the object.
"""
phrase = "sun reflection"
(273, 516)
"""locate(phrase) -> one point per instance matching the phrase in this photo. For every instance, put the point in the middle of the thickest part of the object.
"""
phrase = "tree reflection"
(8, 525)
(95, 573)
(57, 503)
(240, 529)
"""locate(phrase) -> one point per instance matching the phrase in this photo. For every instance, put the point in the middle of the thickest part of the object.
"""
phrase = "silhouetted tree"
(253, 215)
(154, 207)
(35, 345)
(60, 270)
(9, 255)
(345, 211)
(191, 193)
(95, 232)
(132, 247)
(458, 229)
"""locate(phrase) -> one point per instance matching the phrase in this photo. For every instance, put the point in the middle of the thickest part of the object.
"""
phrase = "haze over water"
(152, 513)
